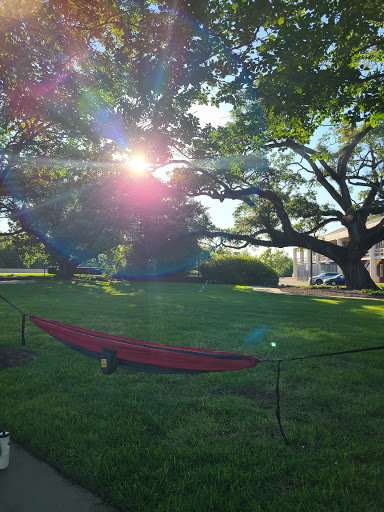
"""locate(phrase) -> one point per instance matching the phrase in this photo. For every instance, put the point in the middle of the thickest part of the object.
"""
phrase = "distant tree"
(278, 260)
(9, 256)
(31, 251)
(22, 251)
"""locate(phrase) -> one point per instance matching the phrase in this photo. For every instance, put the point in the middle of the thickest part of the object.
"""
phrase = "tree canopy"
(82, 82)
(296, 65)
(80, 85)
(303, 62)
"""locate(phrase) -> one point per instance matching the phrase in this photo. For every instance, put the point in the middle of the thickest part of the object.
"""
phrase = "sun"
(138, 164)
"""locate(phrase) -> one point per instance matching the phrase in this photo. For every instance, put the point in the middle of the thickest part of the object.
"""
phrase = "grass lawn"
(208, 442)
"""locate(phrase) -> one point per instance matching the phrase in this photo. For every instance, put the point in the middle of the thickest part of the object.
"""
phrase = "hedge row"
(238, 269)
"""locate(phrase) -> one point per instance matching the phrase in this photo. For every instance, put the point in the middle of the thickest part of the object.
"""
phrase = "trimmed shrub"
(238, 269)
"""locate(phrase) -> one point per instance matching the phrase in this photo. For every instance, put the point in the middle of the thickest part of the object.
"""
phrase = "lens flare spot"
(138, 164)
(256, 335)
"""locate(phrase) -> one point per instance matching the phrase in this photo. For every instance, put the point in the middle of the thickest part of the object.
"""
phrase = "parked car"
(325, 275)
(335, 280)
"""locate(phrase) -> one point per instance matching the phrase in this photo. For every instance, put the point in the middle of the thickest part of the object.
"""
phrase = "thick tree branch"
(279, 239)
(227, 193)
(305, 153)
(279, 207)
(374, 235)
(371, 77)
(368, 201)
(348, 150)
(343, 163)
(12, 233)
(321, 225)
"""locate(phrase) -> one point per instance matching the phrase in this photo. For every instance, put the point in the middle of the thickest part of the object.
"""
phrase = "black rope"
(23, 331)
(278, 415)
(10, 303)
(23, 320)
(279, 361)
(379, 347)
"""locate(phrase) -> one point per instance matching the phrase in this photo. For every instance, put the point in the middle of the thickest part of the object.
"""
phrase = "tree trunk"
(66, 268)
(356, 275)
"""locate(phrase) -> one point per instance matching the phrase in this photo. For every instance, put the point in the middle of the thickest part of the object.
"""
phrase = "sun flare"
(138, 164)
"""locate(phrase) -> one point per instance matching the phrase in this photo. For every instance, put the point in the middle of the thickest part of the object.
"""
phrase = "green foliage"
(9, 255)
(22, 251)
(32, 252)
(279, 260)
(100, 82)
(303, 61)
(380, 293)
(238, 269)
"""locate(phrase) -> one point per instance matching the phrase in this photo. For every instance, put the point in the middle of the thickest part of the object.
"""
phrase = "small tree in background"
(9, 256)
(22, 251)
(279, 260)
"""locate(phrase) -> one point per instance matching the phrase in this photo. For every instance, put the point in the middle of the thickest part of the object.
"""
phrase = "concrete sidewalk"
(282, 281)
(292, 281)
(30, 485)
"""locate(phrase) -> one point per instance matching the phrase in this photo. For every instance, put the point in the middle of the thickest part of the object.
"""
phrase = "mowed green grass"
(207, 442)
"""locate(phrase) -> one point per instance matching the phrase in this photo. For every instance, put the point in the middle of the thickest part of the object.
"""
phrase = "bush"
(242, 270)
(367, 291)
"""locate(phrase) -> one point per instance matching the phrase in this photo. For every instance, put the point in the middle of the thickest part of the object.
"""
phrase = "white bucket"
(4, 449)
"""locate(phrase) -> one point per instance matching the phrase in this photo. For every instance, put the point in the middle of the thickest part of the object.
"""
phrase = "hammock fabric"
(114, 351)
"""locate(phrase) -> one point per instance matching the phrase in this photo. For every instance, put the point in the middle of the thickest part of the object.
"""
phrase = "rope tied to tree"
(22, 321)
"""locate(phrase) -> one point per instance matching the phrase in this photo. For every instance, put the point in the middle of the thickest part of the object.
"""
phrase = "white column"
(308, 259)
(294, 257)
(340, 243)
(372, 265)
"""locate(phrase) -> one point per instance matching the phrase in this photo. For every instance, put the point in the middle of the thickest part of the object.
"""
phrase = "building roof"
(343, 232)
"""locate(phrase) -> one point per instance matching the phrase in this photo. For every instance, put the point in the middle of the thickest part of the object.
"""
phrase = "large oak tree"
(112, 75)
(289, 66)
(81, 83)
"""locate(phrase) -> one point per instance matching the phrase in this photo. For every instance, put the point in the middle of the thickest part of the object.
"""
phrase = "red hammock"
(114, 351)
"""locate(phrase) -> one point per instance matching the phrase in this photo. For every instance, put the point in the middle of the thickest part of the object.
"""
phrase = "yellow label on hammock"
(104, 363)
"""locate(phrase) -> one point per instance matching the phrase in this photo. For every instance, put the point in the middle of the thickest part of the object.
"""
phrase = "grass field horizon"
(209, 442)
